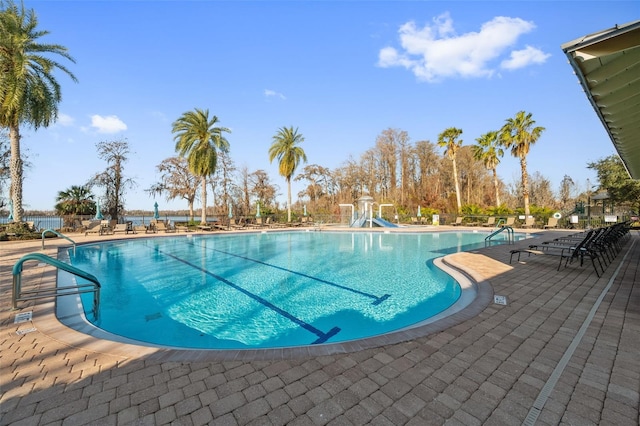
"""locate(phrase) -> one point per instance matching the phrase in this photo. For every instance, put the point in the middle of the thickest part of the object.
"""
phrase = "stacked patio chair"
(600, 245)
(567, 250)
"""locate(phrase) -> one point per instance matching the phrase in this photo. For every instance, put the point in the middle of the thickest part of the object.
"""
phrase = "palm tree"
(76, 200)
(289, 156)
(198, 139)
(449, 139)
(29, 92)
(488, 151)
(518, 134)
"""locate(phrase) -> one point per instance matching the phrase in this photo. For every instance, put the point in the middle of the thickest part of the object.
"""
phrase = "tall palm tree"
(289, 155)
(76, 200)
(488, 151)
(518, 134)
(29, 92)
(197, 139)
(449, 139)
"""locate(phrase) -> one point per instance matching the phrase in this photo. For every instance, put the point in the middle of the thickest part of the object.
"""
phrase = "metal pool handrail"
(510, 234)
(59, 235)
(18, 295)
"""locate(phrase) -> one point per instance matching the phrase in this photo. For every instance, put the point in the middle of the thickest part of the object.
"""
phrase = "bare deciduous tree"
(176, 181)
(112, 179)
(565, 194)
(262, 188)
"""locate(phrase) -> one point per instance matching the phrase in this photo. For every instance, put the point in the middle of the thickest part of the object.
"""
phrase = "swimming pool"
(270, 289)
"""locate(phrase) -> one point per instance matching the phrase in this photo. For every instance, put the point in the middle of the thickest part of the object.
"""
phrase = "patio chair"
(260, 223)
(93, 228)
(552, 222)
(510, 221)
(529, 222)
(458, 221)
(237, 224)
(121, 227)
(567, 252)
(491, 221)
(473, 223)
(141, 228)
(162, 226)
(107, 226)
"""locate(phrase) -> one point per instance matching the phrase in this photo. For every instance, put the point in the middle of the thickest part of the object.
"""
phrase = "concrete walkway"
(565, 349)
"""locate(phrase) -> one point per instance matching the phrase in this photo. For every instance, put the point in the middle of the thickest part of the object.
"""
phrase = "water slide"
(359, 222)
(385, 223)
(362, 221)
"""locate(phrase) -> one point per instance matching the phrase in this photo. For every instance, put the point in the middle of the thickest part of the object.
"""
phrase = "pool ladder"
(18, 295)
(53, 231)
(510, 234)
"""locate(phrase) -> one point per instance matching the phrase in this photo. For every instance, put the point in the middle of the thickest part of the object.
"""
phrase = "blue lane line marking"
(376, 300)
(322, 337)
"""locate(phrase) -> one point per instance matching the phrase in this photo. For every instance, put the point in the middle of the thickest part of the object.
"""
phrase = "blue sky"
(340, 71)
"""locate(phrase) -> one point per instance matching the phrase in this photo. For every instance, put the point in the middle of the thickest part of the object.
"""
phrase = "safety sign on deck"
(23, 317)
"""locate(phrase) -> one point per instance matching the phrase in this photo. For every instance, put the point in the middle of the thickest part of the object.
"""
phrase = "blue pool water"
(275, 289)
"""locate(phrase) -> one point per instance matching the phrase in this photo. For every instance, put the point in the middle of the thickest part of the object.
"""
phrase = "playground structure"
(363, 217)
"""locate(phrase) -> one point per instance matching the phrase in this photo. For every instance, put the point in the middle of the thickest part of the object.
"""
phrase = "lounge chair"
(222, 225)
(473, 223)
(141, 228)
(107, 226)
(510, 221)
(458, 221)
(567, 252)
(259, 223)
(551, 223)
(231, 223)
(491, 221)
(93, 228)
(529, 222)
(121, 227)
(161, 226)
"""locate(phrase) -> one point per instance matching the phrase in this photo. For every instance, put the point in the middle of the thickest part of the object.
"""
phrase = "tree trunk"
(525, 186)
(190, 210)
(203, 217)
(455, 179)
(288, 199)
(15, 170)
(496, 186)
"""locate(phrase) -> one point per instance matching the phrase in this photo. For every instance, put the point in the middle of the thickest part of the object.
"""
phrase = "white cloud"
(65, 120)
(272, 93)
(522, 58)
(108, 124)
(435, 51)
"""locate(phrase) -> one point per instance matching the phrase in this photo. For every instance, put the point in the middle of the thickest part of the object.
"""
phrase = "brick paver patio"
(564, 350)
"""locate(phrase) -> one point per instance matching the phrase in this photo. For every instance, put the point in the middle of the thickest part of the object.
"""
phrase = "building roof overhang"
(607, 64)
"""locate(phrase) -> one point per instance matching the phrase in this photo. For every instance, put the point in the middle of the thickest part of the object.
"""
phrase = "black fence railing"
(65, 223)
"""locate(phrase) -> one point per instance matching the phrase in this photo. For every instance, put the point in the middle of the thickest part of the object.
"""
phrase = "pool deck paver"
(486, 368)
